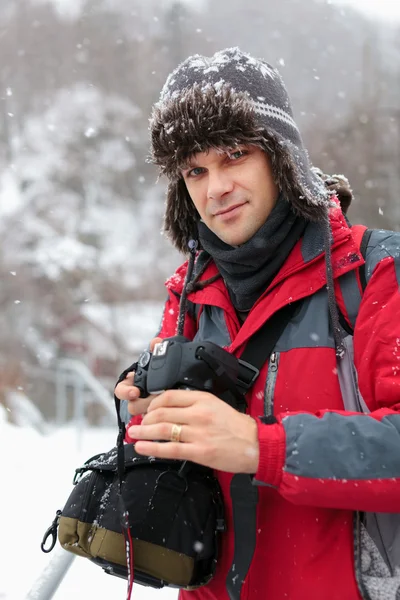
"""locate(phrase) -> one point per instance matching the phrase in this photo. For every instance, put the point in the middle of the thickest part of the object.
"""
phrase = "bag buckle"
(247, 375)
(78, 475)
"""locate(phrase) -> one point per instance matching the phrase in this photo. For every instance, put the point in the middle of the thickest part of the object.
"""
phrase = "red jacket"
(318, 464)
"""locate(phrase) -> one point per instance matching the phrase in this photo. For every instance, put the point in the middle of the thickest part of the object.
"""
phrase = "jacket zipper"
(270, 383)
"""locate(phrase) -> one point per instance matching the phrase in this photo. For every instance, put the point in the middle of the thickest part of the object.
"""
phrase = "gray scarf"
(248, 269)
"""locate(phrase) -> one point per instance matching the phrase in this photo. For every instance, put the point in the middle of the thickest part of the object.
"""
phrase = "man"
(269, 234)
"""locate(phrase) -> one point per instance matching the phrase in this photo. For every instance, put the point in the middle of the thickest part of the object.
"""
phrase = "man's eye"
(237, 154)
(194, 172)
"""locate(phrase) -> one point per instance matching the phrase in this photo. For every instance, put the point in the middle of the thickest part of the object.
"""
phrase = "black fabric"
(176, 505)
(263, 341)
(163, 507)
(248, 269)
(244, 504)
(166, 503)
(363, 250)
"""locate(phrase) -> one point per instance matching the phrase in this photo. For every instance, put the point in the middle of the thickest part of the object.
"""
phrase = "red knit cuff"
(272, 444)
(136, 420)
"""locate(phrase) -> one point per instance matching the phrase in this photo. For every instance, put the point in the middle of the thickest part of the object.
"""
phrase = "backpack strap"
(363, 249)
(350, 289)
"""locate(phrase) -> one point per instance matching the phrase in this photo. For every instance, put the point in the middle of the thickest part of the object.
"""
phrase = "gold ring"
(176, 433)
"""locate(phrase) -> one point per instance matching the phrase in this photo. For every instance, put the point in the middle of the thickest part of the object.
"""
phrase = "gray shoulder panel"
(382, 244)
(212, 326)
(310, 327)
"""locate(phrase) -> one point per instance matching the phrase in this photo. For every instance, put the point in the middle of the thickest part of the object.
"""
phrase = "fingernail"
(133, 395)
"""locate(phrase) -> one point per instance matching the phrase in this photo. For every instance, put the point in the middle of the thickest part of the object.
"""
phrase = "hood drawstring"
(192, 245)
(333, 309)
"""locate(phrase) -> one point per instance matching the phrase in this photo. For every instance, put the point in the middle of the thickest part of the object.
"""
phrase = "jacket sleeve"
(339, 459)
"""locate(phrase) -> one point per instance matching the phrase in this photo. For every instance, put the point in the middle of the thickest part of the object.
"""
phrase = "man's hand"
(213, 433)
(127, 391)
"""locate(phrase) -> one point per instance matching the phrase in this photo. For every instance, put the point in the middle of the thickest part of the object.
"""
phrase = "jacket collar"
(303, 274)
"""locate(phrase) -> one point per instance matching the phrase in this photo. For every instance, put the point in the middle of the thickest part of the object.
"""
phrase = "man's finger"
(160, 431)
(178, 398)
(169, 415)
(139, 406)
(172, 450)
(123, 391)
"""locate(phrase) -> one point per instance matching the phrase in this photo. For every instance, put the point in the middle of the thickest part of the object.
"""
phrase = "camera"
(177, 363)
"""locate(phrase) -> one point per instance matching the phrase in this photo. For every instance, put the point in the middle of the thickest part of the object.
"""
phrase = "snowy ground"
(36, 478)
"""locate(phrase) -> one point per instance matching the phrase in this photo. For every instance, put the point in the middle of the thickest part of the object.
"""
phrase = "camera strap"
(261, 345)
(123, 513)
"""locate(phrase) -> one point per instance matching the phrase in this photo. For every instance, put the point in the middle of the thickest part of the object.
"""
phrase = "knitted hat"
(224, 101)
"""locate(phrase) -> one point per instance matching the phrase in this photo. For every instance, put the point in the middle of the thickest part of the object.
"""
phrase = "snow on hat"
(224, 101)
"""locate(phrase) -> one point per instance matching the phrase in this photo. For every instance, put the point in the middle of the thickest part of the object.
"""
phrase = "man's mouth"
(229, 209)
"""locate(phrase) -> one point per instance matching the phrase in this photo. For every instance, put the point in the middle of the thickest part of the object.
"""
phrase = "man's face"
(233, 191)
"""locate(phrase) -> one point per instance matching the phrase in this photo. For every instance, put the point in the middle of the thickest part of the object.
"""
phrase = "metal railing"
(49, 580)
(76, 373)
(73, 373)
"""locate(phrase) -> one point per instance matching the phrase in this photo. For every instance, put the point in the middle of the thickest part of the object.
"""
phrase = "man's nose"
(219, 184)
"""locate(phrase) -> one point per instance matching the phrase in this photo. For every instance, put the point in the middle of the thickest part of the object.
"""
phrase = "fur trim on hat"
(202, 118)
(337, 185)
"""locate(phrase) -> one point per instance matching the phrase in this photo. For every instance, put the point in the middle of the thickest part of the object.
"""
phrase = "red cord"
(129, 556)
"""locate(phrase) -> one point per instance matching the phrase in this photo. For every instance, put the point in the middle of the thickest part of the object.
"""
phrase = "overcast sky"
(385, 9)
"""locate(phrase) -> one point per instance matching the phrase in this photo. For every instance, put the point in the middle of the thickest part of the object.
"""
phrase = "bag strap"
(350, 289)
(244, 494)
(123, 513)
(261, 344)
(363, 249)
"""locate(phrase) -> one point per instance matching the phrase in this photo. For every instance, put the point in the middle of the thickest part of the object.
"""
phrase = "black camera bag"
(151, 521)
(174, 513)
